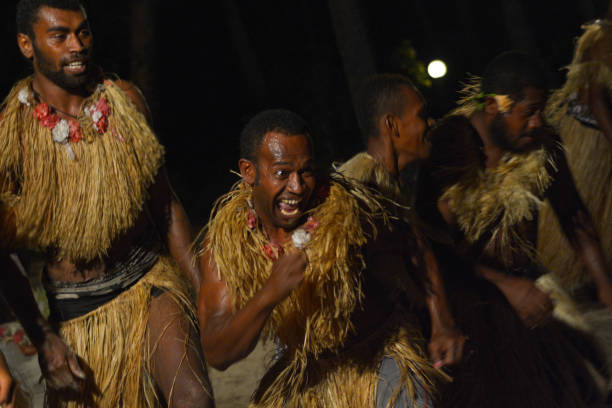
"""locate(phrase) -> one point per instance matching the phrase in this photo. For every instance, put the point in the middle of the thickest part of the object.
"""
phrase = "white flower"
(100, 88)
(23, 96)
(89, 110)
(96, 116)
(300, 238)
(61, 131)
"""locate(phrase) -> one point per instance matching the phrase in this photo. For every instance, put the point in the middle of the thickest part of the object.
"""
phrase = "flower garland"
(299, 238)
(68, 130)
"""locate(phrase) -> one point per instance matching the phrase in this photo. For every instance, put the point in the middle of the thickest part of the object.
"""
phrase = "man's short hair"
(380, 94)
(27, 12)
(511, 72)
(273, 120)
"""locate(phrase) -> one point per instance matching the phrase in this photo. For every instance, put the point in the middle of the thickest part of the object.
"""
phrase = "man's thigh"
(177, 364)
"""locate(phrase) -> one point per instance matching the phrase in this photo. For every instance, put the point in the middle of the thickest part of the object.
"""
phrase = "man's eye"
(58, 36)
(281, 173)
(85, 33)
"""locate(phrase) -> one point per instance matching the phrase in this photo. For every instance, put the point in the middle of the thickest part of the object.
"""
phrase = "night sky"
(207, 68)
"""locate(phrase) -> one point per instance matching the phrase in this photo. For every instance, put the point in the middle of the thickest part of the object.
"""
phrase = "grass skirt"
(112, 343)
(349, 377)
(589, 155)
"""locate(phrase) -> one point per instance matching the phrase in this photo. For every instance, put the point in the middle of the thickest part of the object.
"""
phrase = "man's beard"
(499, 134)
(59, 77)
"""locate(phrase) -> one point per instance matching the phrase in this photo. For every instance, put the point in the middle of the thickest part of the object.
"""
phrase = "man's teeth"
(289, 207)
(75, 65)
(290, 202)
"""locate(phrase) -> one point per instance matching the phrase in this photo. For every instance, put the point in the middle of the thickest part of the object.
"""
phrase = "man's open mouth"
(289, 207)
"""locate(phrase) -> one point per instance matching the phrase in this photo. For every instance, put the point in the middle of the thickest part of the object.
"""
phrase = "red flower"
(18, 336)
(2, 331)
(102, 124)
(252, 221)
(75, 134)
(42, 110)
(273, 251)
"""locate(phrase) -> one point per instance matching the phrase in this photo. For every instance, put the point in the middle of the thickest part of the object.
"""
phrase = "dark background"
(206, 67)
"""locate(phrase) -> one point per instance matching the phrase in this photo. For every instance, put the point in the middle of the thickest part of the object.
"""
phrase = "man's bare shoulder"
(134, 94)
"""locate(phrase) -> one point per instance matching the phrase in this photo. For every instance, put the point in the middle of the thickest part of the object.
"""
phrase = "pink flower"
(311, 224)
(18, 336)
(75, 134)
(102, 107)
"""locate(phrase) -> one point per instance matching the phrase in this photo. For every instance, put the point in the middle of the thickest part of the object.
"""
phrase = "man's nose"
(430, 123)
(296, 184)
(74, 43)
(535, 121)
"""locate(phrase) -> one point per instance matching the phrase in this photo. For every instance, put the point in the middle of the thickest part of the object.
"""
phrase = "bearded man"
(83, 181)
(492, 165)
(291, 254)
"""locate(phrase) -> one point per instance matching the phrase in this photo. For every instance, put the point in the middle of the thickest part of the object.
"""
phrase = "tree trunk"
(353, 43)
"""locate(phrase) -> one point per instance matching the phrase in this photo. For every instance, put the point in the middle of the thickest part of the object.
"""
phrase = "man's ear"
(25, 45)
(388, 125)
(248, 171)
(490, 107)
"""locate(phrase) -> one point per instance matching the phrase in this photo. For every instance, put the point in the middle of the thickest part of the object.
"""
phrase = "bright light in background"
(436, 69)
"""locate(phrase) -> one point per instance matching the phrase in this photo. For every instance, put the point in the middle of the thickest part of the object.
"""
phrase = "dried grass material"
(113, 343)
(349, 378)
(471, 97)
(588, 155)
(365, 169)
(496, 200)
(316, 317)
(582, 71)
(77, 206)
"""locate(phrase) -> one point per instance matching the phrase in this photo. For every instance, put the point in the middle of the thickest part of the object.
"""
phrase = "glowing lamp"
(436, 69)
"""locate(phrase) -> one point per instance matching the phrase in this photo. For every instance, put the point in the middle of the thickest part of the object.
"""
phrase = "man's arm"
(226, 335)
(578, 227)
(57, 361)
(167, 210)
(446, 342)
(174, 226)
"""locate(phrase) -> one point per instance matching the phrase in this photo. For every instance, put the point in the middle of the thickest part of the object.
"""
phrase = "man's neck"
(66, 101)
(384, 155)
(491, 150)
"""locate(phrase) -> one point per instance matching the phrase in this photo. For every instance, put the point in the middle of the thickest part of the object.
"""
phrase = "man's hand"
(7, 385)
(446, 346)
(287, 274)
(532, 304)
(59, 364)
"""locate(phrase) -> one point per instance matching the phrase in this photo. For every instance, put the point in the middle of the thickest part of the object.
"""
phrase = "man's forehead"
(277, 145)
(532, 95)
(55, 17)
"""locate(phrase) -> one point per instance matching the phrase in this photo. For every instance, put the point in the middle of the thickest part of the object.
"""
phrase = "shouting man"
(292, 255)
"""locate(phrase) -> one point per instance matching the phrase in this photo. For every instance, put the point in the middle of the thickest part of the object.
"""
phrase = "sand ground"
(234, 386)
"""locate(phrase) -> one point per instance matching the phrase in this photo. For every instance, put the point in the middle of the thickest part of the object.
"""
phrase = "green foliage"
(406, 61)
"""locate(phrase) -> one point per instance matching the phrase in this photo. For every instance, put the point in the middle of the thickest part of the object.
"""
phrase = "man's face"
(285, 179)
(413, 123)
(62, 46)
(511, 130)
